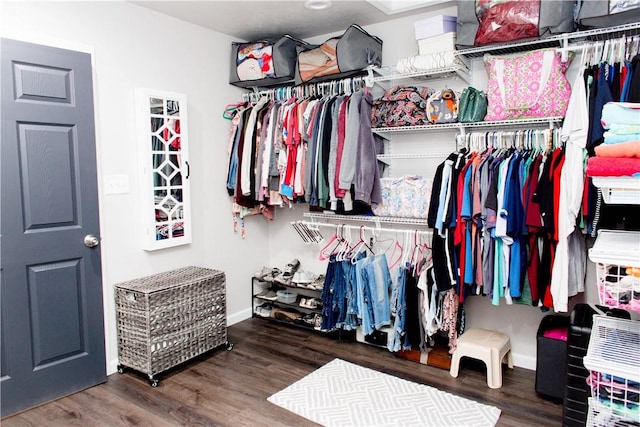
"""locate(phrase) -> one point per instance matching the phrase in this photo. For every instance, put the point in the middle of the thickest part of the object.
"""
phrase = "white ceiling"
(255, 20)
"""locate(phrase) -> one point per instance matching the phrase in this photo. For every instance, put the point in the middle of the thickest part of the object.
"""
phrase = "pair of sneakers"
(264, 310)
(268, 294)
(285, 277)
(267, 274)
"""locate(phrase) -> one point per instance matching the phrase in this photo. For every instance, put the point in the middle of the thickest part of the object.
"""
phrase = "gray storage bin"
(600, 14)
(283, 60)
(356, 50)
(556, 17)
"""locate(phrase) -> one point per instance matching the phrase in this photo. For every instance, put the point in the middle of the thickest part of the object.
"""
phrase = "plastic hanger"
(396, 248)
(358, 246)
(230, 110)
(334, 242)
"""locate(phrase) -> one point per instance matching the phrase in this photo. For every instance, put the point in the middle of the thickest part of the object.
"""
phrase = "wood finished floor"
(230, 388)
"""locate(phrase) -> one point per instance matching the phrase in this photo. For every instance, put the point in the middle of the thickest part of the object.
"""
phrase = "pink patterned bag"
(531, 84)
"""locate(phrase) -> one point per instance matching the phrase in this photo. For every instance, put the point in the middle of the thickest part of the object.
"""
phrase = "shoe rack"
(297, 304)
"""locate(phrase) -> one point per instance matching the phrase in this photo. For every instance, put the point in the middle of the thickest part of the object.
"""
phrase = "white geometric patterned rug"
(343, 394)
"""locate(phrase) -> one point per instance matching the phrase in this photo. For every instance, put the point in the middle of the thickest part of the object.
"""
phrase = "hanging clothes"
(315, 149)
(495, 211)
(574, 136)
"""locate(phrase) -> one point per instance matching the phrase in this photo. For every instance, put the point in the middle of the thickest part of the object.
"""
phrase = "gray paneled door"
(52, 341)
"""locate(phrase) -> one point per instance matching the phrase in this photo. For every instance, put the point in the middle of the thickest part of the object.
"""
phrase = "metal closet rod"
(342, 86)
(312, 224)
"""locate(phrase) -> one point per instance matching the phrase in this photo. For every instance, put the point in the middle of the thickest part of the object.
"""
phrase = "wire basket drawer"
(613, 357)
(617, 258)
(601, 416)
(168, 318)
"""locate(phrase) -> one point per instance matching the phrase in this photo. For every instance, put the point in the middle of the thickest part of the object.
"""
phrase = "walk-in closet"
(316, 212)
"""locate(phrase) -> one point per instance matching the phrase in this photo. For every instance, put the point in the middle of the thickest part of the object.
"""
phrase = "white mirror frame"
(164, 168)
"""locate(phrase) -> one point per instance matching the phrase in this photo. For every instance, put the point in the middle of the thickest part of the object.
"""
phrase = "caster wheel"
(153, 382)
(229, 346)
(120, 369)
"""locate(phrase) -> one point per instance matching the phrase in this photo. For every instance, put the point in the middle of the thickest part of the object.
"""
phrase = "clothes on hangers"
(359, 291)
(315, 149)
(496, 212)
(574, 135)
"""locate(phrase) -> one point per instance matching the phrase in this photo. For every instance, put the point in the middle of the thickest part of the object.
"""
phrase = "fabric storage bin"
(617, 257)
(551, 356)
(599, 14)
(169, 318)
(434, 26)
(480, 22)
(264, 63)
(339, 57)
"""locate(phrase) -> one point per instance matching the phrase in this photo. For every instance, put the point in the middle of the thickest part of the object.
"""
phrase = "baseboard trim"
(524, 361)
(239, 316)
(519, 360)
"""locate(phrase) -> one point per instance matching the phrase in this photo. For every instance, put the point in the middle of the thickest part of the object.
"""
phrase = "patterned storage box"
(169, 318)
(405, 197)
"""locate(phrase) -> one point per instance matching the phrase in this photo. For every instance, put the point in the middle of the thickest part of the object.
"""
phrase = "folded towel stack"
(619, 155)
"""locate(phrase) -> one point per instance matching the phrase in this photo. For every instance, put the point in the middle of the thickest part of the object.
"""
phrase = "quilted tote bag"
(401, 106)
(530, 84)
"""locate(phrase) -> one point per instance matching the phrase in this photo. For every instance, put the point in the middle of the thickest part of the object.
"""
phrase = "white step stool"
(490, 347)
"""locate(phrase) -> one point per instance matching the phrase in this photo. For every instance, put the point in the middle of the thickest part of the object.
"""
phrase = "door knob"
(91, 241)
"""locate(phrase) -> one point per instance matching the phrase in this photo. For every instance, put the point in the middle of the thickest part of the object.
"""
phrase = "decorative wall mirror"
(164, 165)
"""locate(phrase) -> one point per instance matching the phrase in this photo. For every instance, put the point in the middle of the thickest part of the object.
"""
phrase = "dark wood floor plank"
(230, 388)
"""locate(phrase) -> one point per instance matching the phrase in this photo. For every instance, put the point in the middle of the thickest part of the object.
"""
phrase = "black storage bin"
(551, 357)
(575, 404)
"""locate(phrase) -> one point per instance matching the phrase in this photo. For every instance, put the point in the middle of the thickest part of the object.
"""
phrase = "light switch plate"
(116, 184)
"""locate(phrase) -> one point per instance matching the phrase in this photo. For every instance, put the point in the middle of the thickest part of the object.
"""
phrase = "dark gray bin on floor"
(551, 358)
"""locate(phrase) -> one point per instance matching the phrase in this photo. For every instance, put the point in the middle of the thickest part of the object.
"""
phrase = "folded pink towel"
(613, 166)
(622, 149)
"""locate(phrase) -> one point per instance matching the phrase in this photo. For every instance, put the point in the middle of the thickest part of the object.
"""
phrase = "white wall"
(134, 47)
(520, 322)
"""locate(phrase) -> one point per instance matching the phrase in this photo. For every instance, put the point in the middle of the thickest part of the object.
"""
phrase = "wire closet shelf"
(558, 40)
(364, 218)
